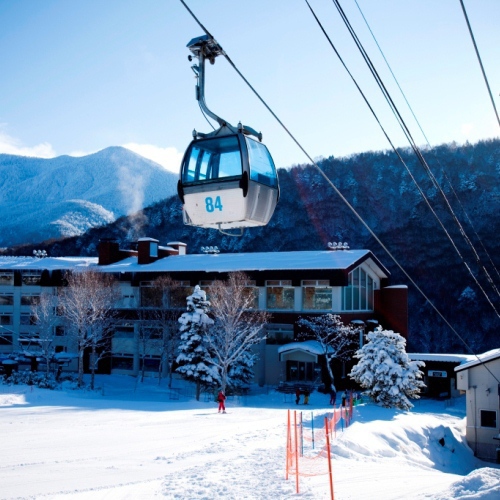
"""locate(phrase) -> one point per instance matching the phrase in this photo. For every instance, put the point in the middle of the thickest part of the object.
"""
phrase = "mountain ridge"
(115, 180)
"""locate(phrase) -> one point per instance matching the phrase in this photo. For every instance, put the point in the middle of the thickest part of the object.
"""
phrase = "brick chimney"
(147, 250)
(108, 251)
(179, 246)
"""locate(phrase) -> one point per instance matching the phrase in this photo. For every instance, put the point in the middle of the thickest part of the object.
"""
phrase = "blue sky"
(78, 76)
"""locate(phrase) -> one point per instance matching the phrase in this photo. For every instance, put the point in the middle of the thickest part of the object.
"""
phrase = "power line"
(480, 61)
(417, 152)
(334, 187)
(428, 143)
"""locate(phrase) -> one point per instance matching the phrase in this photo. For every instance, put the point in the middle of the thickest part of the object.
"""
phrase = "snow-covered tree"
(87, 304)
(194, 357)
(386, 372)
(238, 326)
(336, 340)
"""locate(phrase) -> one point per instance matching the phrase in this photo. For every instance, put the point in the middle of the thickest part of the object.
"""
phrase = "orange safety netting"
(317, 459)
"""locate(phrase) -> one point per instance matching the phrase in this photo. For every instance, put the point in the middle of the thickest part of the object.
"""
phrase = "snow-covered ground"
(131, 441)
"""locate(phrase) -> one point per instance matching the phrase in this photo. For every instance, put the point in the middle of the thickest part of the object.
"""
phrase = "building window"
(5, 337)
(151, 363)
(124, 362)
(150, 333)
(27, 319)
(279, 334)
(488, 418)
(316, 295)
(358, 294)
(59, 331)
(30, 300)
(301, 371)
(6, 299)
(280, 294)
(6, 278)
(173, 297)
(31, 277)
(5, 319)
(124, 331)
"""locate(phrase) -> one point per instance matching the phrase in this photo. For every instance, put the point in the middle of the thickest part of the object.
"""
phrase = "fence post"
(288, 445)
(296, 452)
(312, 428)
(330, 475)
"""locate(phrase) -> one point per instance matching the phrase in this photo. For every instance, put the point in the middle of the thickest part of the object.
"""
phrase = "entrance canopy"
(301, 351)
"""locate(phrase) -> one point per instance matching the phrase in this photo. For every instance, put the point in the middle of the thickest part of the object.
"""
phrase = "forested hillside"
(377, 185)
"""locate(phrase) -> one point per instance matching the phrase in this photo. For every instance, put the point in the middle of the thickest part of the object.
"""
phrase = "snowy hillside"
(65, 196)
(141, 441)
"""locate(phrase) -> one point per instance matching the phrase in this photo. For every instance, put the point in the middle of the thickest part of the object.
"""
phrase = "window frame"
(281, 304)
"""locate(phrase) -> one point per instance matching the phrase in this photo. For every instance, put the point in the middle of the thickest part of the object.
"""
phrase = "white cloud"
(168, 158)
(11, 146)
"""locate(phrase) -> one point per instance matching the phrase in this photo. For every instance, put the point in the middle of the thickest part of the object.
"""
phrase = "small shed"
(480, 379)
(439, 373)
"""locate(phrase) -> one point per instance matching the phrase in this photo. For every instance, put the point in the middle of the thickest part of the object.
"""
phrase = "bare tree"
(238, 326)
(335, 339)
(169, 292)
(87, 303)
(43, 312)
(158, 323)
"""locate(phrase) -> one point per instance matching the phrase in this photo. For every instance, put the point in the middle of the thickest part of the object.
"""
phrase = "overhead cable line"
(419, 155)
(429, 145)
(339, 193)
(480, 61)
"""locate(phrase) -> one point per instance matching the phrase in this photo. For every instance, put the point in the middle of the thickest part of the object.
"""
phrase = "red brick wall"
(391, 304)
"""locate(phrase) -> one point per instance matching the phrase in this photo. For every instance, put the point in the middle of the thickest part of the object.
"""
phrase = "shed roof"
(480, 359)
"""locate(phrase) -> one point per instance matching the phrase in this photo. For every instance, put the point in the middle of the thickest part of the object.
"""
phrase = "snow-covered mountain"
(65, 196)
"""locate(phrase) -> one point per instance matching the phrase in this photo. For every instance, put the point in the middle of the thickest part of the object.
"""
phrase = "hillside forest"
(454, 260)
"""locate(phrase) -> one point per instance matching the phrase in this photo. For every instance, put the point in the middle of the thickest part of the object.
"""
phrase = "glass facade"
(358, 294)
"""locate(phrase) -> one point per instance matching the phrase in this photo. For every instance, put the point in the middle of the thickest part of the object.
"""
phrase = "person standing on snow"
(221, 398)
(333, 394)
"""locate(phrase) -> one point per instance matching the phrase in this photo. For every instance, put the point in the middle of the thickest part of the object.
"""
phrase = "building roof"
(50, 263)
(220, 263)
(257, 261)
(479, 359)
(451, 358)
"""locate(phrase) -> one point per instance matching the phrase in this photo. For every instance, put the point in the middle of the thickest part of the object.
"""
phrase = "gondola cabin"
(228, 181)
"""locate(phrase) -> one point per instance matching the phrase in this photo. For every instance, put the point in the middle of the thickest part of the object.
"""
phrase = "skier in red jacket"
(221, 398)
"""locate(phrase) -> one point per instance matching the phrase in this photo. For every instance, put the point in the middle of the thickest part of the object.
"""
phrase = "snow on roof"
(50, 263)
(258, 261)
(309, 346)
(222, 262)
(451, 358)
(480, 358)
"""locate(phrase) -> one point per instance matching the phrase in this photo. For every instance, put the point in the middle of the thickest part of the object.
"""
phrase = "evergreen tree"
(386, 372)
(193, 359)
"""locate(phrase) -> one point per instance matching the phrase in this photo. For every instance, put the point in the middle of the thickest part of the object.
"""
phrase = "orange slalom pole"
(330, 475)
(288, 445)
(296, 453)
